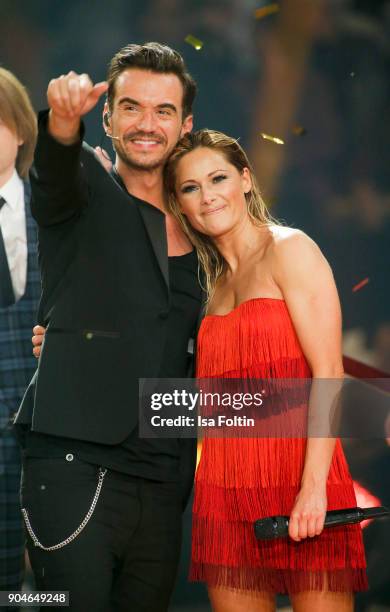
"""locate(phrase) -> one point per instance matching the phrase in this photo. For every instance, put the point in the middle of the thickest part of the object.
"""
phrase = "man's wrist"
(65, 131)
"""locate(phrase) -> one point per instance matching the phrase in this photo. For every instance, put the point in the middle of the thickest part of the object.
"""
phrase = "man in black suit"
(120, 302)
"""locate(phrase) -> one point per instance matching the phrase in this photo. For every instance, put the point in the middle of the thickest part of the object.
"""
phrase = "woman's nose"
(208, 196)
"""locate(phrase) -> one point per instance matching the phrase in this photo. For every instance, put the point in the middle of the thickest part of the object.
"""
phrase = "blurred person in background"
(323, 88)
(19, 295)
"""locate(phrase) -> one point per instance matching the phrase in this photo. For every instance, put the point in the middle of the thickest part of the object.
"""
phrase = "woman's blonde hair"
(17, 113)
(212, 263)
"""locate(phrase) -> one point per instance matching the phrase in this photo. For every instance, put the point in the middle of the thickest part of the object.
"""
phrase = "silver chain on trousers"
(79, 529)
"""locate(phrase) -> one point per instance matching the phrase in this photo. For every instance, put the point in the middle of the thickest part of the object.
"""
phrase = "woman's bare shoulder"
(289, 240)
(282, 234)
(292, 249)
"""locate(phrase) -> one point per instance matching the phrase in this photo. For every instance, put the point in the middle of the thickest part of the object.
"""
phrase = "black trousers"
(11, 522)
(126, 557)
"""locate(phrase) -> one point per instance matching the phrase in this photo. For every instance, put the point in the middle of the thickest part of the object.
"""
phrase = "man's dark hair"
(156, 58)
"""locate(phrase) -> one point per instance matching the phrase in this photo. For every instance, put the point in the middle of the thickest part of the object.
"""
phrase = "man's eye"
(166, 113)
(219, 178)
(130, 108)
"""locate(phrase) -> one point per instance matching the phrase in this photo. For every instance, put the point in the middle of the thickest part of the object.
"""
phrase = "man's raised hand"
(70, 97)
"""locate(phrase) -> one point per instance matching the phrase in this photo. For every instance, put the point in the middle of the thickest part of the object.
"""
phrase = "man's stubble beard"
(136, 164)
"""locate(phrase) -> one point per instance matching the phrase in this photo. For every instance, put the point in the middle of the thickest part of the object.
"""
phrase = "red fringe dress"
(242, 479)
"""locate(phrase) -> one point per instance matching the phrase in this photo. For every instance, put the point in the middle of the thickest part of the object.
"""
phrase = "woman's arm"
(307, 284)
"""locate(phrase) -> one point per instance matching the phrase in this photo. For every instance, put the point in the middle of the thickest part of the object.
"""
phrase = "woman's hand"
(104, 158)
(308, 514)
(37, 339)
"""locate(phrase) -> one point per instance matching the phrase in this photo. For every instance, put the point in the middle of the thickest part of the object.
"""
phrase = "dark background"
(316, 74)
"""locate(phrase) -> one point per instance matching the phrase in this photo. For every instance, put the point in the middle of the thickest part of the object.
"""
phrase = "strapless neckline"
(244, 303)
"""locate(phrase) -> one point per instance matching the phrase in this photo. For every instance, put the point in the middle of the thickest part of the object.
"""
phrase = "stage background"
(314, 74)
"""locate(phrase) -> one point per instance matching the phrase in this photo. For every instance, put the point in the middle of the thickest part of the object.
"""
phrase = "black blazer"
(104, 264)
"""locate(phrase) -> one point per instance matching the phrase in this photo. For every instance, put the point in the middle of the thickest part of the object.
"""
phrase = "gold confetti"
(362, 283)
(298, 130)
(272, 138)
(264, 11)
(194, 42)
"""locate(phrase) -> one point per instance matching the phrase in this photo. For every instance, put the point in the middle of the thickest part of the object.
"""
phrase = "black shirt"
(157, 459)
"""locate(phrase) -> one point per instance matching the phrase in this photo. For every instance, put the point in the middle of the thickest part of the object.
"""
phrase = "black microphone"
(277, 526)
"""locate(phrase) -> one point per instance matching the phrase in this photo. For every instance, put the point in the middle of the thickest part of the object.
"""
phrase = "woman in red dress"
(272, 312)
